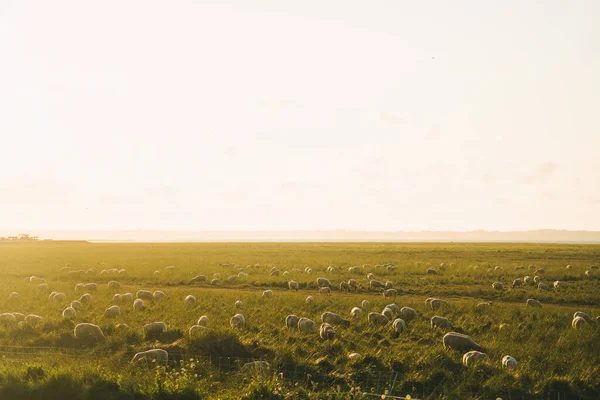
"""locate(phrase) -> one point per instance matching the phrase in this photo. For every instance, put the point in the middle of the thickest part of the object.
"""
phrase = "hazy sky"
(382, 115)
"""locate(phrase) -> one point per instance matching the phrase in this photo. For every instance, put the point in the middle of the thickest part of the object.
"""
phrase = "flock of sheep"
(392, 316)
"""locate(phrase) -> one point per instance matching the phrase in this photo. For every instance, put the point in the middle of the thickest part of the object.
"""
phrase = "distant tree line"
(24, 237)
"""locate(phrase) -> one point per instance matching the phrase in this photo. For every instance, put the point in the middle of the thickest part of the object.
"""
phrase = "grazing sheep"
(543, 286)
(8, 318)
(528, 280)
(76, 304)
(13, 296)
(80, 287)
(390, 293)
(388, 312)
(267, 293)
(394, 307)
(159, 355)
(306, 325)
(90, 287)
(431, 271)
(354, 356)
(275, 273)
(429, 300)
(537, 279)
(498, 285)
(366, 304)
(458, 341)
(325, 290)
(352, 283)
(370, 276)
(533, 303)
(69, 313)
(43, 287)
(127, 297)
(117, 298)
(214, 282)
(239, 304)
(138, 304)
(309, 300)
(408, 314)
(557, 284)
(582, 315)
(59, 297)
(375, 284)
(158, 295)
(578, 322)
(356, 312)
(588, 274)
(354, 270)
(539, 271)
(114, 285)
(35, 279)
(170, 268)
(326, 331)
(144, 295)
(196, 330)
(198, 279)
(308, 270)
(437, 303)
(154, 328)
(112, 312)
(518, 267)
(51, 295)
(156, 273)
(291, 321)
(32, 320)
(474, 356)
(440, 322)
(483, 306)
(344, 286)
(237, 321)
(509, 362)
(257, 366)
(333, 318)
(398, 326)
(234, 278)
(569, 267)
(517, 283)
(323, 282)
(330, 269)
(20, 317)
(377, 319)
(85, 330)
(391, 267)
(497, 268)
(190, 301)
(293, 285)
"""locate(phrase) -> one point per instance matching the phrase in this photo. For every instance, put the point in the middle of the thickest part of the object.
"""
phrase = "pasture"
(47, 361)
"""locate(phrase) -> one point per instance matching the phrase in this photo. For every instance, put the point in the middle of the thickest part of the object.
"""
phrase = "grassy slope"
(551, 354)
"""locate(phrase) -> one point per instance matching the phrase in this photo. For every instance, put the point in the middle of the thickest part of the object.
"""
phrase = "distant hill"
(542, 236)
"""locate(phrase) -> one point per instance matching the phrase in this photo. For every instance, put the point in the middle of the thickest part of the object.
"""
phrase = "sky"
(285, 115)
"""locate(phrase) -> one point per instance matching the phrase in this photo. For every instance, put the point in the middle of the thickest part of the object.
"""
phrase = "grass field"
(47, 361)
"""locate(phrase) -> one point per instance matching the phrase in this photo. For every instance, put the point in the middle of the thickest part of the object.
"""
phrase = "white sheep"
(8, 319)
(86, 330)
(20, 317)
(370, 276)
(293, 285)
(117, 298)
(533, 303)
(114, 285)
(365, 304)
(85, 298)
(509, 362)
(323, 282)
(437, 303)
(458, 341)
(267, 293)
(237, 321)
(309, 300)
(13, 296)
(203, 321)
(112, 312)
(138, 304)
(537, 279)
(59, 297)
(356, 312)
(144, 295)
(543, 286)
(43, 287)
(127, 297)
(306, 325)
(398, 326)
(156, 273)
(76, 304)
(190, 301)
(517, 283)
(408, 314)
(122, 271)
(375, 284)
(158, 295)
(79, 288)
(198, 279)
(333, 318)
(326, 331)
(474, 356)
(352, 283)
(69, 313)
(196, 330)
(394, 307)
(90, 287)
(390, 293)
(527, 279)
(440, 322)
(170, 268)
(483, 306)
(325, 291)
(578, 322)
(588, 274)
(498, 286)
(239, 304)
(377, 319)
(557, 284)
(154, 328)
(583, 315)
(344, 286)
(158, 355)
(32, 320)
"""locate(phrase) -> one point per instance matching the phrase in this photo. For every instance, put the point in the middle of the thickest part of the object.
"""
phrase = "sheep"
(326, 331)
(275, 273)
(257, 365)
(59, 297)
(569, 267)
(86, 330)
(497, 268)
(391, 267)
(138, 304)
(517, 283)
(440, 322)
(354, 270)
(539, 271)
(437, 303)
(309, 300)
(13, 296)
(114, 285)
(198, 279)
(122, 271)
(170, 268)
(156, 273)
(69, 313)
(325, 290)
(388, 313)
(203, 321)
(431, 271)
(112, 312)
(408, 314)
(117, 298)
(389, 285)
(377, 319)
(291, 321)
(214, 282)
(533, 303)
(239, 304)
(293, 285)
(344, 286)
(237, 321)
(333, 318)
(90, 287)
(85, 298)
(32, 320)
(308, 270)
(394, 307)
(518, 267)
(582, 315)
(267, 293)
(51, 295)
(483, 306)
(528, 280)
(35, 279)
(306, 325)
(8, 318)
(557, 284)
(144, 295)
(323, 282)
(19, 317)
(76, 304)
(127, 297)
(474, 356)
(43, 287)
(190, 301)
(352, 283)
(79, 288)
(154, 328)
(158, 295)
(509, 362)
(354, 356)
(234, 278)
(498, 286)
(159, 355)
(578, 322)
(356, 312)
(588, 274)
(543, 286)
(390, 293)
(375, 284)
(458, 341)
(370, 276)
(195, 330)
(537, 279)
(429, 300)
(366, 304)
(398, 326)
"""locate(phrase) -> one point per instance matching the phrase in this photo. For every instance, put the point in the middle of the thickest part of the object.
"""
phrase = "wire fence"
(364, 381)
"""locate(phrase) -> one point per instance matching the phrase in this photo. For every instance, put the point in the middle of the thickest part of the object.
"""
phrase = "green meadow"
(46, 361)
